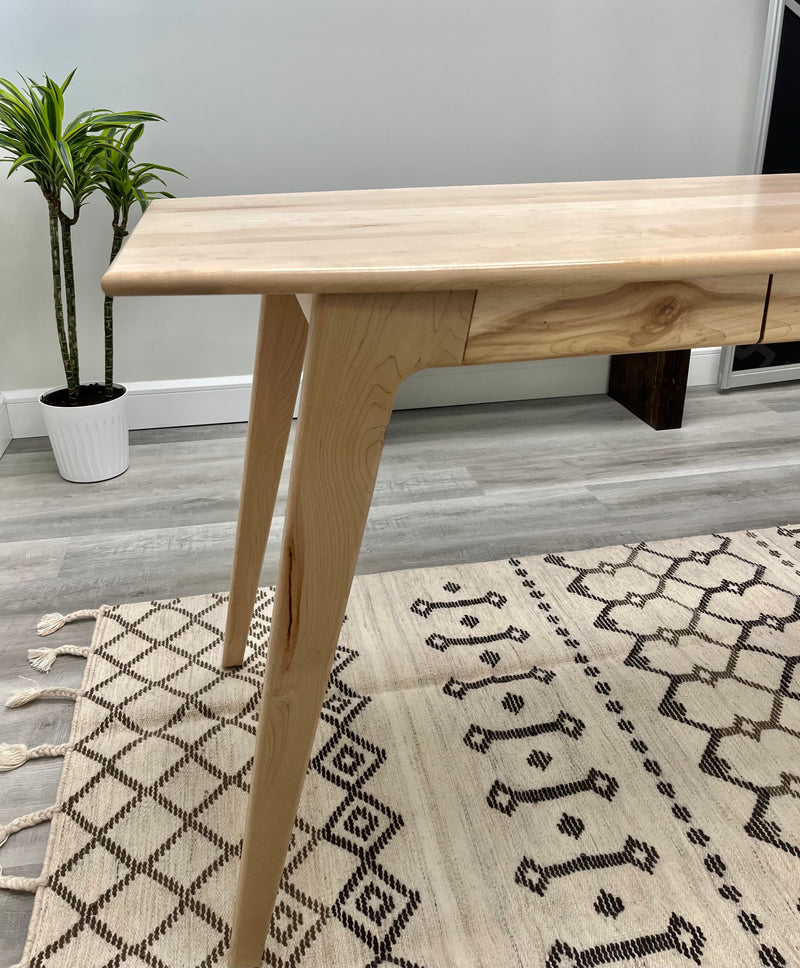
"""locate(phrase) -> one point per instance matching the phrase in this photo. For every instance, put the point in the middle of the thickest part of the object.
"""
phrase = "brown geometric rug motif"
(580, 759)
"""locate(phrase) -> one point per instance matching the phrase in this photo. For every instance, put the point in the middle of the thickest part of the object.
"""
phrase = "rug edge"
(52, 837)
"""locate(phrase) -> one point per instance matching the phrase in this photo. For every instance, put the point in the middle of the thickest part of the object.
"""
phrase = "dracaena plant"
(125, 184)
(66, 161)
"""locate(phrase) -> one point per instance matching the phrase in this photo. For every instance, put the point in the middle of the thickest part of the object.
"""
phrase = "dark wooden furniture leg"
(651, 385)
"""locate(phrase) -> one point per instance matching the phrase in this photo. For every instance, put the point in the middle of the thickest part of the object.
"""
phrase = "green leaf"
(23, 160)
(147, 179)
(52, 105)
(8, 142)
(67, 82)
(12, 89)
(65, 157)
(81, 123)
(132, 137)
(173, 171)
(126, 118)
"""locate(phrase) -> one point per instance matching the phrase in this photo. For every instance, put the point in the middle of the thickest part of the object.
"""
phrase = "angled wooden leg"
(361, 347)
(279, 363)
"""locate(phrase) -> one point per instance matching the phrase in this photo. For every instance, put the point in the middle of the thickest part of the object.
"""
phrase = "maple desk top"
(462, 237)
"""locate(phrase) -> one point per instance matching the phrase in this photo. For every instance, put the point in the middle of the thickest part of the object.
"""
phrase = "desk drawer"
(562, 319)
(783, 312)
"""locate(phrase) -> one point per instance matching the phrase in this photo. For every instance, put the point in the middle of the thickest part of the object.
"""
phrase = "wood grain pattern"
(279, 363)
(651, 385)
(582, 319)
(355, 362)
(463, 237)
(783, 313)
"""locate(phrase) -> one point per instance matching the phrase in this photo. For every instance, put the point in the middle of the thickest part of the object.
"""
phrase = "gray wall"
(298, 95)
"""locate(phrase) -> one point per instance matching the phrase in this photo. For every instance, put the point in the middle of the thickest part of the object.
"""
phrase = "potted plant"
(87, 423)
(124, 184)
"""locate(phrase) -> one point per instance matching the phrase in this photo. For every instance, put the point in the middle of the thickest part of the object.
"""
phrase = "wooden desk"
(414, 278)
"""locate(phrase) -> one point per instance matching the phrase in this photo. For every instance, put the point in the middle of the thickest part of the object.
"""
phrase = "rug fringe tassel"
(28, 820)
(13, 755)
(28, 884)
(35, 692)
(43, 659)
(53, 621)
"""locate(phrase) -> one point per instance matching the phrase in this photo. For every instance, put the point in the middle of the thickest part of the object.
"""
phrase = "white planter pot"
(90, 443)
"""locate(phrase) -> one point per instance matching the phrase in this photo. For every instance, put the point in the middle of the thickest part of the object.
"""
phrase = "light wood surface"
(470, 483)
(353, 368)
(463, 237)
(276, 377)
(783, 313)
(583, 319)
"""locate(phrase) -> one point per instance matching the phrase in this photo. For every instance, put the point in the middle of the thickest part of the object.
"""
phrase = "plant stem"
(73, 376)
(55, 258)
(108, 314)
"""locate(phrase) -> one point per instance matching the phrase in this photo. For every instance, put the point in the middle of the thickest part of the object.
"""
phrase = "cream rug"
(574, 760)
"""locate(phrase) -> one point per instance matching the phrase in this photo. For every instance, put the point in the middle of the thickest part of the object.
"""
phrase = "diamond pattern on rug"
(166, 751)
(620, 785)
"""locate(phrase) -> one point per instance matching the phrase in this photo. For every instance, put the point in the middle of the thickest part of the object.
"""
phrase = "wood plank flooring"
(456, 484)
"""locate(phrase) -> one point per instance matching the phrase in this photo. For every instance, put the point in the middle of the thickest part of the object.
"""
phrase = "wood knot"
(666, 312)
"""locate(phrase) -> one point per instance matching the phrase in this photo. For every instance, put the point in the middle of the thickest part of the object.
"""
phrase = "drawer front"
(783, 311)
(559, 319)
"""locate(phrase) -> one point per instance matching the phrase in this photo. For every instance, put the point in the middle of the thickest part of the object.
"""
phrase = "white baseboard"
(5, 426)
(183, 403)
(704, 367)
(494, 382)
(153, 403)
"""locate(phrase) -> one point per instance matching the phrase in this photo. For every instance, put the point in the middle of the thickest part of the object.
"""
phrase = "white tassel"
(53, 621)
(13, 755)
(22, 697)
(35, 692)
(43, 659)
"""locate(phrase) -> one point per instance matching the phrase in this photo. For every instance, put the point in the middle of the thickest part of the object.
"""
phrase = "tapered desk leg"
(361, 347)
(276, 377)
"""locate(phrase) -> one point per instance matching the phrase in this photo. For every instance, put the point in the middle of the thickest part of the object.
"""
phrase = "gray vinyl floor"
(457, 484)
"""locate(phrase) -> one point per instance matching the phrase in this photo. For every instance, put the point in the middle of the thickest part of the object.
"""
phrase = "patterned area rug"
(573, 760)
